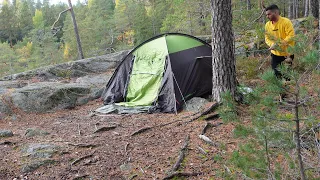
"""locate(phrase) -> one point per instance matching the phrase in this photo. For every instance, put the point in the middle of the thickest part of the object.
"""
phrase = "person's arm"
(268, 40)
(289, 30)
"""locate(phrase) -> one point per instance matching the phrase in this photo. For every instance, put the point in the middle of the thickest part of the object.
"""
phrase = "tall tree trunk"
(76, 31)
(314, 4)
(296, 6)
(223, 59)
(248, 5)
(318, 68)
(290, 9)
(306, 8)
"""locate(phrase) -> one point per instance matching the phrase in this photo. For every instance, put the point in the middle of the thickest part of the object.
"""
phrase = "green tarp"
(147, 73)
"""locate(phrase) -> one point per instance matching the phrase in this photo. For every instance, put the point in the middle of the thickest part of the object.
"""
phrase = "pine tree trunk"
(248, 5)
(318, 67)
(223, 60)
(314, 4)
(297, 133)
(290, 9)
(296, 6)
(306, 8)
(76, 31)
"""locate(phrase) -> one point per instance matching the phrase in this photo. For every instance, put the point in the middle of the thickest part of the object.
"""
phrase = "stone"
(39, 151)
(29, 167)
(195, 104)
(30, 132)
(48, 96)
(125, 167)
(5, 133)
(94, 80)
(72, 69)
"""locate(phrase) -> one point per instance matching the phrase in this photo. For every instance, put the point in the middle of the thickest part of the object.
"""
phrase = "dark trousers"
(276, 61)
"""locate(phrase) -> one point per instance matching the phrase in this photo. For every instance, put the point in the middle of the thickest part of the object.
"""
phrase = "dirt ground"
(114, 154)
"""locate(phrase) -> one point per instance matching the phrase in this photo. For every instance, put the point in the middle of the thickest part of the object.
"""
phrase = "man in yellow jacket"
(278, 36)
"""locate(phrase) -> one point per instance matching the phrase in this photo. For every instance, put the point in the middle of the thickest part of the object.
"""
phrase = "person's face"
(272, 15)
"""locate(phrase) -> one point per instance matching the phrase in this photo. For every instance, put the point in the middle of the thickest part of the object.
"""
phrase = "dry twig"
(102, 129)
(141, 130)
(181, 174)
(181, 154)
(81, 158)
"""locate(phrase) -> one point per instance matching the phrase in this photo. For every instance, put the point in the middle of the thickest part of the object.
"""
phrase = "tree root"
(102, 129)
(181, 154)
(141, 130)
(181, 174)
(81, 158)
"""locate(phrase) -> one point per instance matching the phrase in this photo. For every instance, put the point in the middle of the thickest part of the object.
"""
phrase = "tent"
(161, 74)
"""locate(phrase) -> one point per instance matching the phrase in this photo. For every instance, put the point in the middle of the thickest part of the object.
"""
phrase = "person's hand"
(273, 47)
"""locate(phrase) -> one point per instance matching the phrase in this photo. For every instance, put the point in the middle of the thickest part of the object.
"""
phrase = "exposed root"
(181, 154)
(181, 174)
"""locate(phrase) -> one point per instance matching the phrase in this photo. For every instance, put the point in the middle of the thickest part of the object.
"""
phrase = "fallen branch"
(181, 174)
(141, 130)
(83, 145)
(79, 131)
(207, 140)
(6, 143)
(133, 176)
(126, 148)
(210, 109)
(181, 154)
(212, 117)
(202, 151)
(80, 177)
(102, 129)
(81, 158)
(205, 128)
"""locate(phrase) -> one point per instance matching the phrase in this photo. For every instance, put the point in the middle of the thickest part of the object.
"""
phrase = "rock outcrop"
(61, 86)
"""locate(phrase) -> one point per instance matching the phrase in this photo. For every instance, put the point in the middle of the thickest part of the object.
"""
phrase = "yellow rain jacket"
(280, 33)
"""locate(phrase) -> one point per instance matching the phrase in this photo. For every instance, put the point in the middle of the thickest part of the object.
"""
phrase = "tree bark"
(314, 4)
(297, 134)
(306, 8)
(76, 31)
(296, 6)
(248, 5)
(223, 59)
(290, 9)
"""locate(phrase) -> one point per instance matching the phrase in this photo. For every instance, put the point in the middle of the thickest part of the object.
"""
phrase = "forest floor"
(114, 153)
(139, 146)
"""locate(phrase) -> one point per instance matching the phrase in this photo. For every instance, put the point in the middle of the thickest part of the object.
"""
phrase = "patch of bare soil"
(105, 147)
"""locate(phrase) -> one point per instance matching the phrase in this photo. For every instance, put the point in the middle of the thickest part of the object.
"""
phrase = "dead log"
(81, 158)
(207, 140)
(212, 117)
(81, 177)
(81, 145)
(202, 151)
(210, 109)
(141, 130)
(6, 143)
(205, 128)
(102, 129)
(181, 154)
(181, 174)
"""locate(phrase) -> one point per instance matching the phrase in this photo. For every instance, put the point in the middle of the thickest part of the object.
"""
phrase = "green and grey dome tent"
(161, 74)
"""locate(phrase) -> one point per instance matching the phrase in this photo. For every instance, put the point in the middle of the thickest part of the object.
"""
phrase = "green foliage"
(250, 160)
(227, 110)
(247, 68)
(38, 19)
(242, 131)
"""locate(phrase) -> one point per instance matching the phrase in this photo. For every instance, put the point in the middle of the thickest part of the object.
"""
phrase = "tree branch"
(52, 27)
